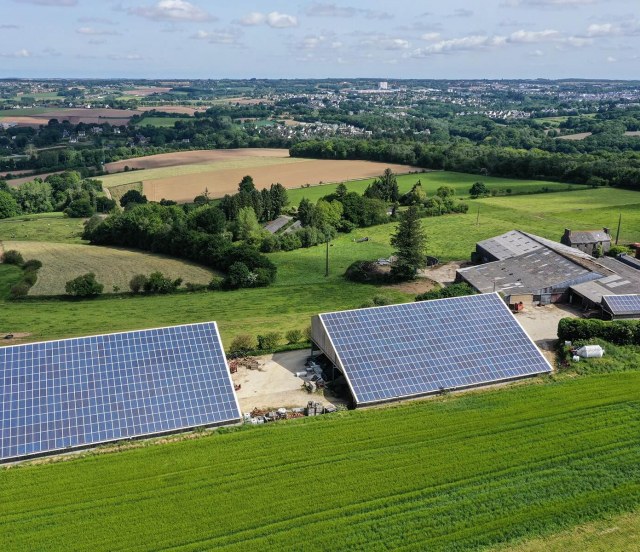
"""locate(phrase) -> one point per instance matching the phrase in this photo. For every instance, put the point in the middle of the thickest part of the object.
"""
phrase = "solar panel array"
(420, 348)
(79, 392)
(622, 304)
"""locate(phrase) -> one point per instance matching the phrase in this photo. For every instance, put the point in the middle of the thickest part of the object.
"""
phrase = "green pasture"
(26, 112)
(462, 472)
(301, 289)
(162, 122)
(432, 180)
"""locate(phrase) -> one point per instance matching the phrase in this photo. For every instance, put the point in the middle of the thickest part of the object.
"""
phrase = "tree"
(306, 212)
(341, 190)
(247, 226)
(34, 197)
(8, 206)
(132, 197)
(246, 184)
(410, 241)
(159, 283)
(80, 208)
(105, 204)
(279, 198)
(479, 189)
(84, 286)
(445, 192)
(208, 218)
(137, 283)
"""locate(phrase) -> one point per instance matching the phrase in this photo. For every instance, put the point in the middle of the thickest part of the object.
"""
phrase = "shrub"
(159, 283)
(21, 289)
(132, 196)
(29, 277)
(215, 283)
(242, 343)
(80, 208)
(293, 336)
(619, 332)
(366, 272)
(32, 265)
(269, 341)
(238, 276)
(307, 333)
(190, 286)
(616, 250)
(454, 290)
(137, 283)
(84, 286)
(479, 189)
(13, 257)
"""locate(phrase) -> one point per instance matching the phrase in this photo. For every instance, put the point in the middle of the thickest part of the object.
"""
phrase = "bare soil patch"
(74, 116)
(16, 337)
(291, 175)
(275, 384)
(143, 91)
(444, 274)
(196, 157)
(15, 182)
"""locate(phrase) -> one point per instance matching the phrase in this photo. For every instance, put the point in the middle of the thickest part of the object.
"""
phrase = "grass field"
(54, 227)
(62, 262)
(431, 181)
(301, 288)
(616, 533)
(162, 122)
(457, 473)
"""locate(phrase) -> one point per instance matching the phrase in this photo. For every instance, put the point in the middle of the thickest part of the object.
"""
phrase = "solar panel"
(79, 392)
(622, 304)
(420, 348)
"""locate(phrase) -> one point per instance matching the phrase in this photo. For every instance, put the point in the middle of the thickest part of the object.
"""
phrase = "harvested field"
(74, 116)
(577, 136)
(293, 174)
(183, 175)
(112, 266)
(143, 91)
(179, 109)
(15, 182)
(196, 157)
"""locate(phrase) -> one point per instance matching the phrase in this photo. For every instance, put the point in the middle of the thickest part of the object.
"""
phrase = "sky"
(387, 39)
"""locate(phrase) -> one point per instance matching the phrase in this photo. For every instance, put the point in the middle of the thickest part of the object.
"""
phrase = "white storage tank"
(590, 351)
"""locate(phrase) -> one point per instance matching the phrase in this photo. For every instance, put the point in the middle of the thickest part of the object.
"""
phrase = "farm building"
(403, 351)
(588, 241)
(58, 396)
(621, 307)
(528, 268)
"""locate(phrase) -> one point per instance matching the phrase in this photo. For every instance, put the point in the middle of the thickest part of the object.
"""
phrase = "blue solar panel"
(622, 304)
(424, 347)
(78, 392)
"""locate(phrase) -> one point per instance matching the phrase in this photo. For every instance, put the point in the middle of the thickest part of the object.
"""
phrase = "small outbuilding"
(591, 241)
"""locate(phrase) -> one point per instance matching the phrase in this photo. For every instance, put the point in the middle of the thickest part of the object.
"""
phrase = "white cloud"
(627, 28)
(95, 32)
(547, 3)
(611, 59)
(172, 10)
(279, 20)
(218, 37)
(462, 12)
(102, 20)
(126, 57)
(537, 53)
(528, 37)
(318, 9)
(429, 37)
(23, 53)
(253, 18)
(394, 44)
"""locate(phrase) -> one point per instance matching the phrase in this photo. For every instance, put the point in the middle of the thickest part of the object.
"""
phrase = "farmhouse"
(415, 349)
(528, 268)
(589, 241)
(58, 396)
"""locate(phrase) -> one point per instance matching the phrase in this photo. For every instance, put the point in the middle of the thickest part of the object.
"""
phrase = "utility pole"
(326, 270)
(618, 232)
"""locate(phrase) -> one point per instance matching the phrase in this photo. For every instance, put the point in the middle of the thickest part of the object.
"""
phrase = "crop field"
(577, 136)
(461, 472)
(35, 116)
(220, 172)
(112, 266)
(612, 534)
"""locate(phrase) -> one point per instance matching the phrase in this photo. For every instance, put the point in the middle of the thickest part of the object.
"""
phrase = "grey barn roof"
(620, 279)
(277, 224)
(590, 236)
(516, 243)
(532, 272)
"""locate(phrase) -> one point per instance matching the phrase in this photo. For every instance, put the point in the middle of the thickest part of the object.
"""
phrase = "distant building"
(383, 85)
(588, 241)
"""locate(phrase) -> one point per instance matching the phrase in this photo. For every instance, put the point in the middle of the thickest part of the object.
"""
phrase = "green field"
(26, 112)
(457, 473)
(163, 122)
(113, 266)
(301, 288)
(431, 181)
(612, 534)
(53, 227)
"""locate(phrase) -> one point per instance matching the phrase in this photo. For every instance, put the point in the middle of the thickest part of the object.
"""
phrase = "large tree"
(410, 241)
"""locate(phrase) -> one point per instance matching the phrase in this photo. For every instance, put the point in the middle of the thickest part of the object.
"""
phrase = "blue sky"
(305, 39)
